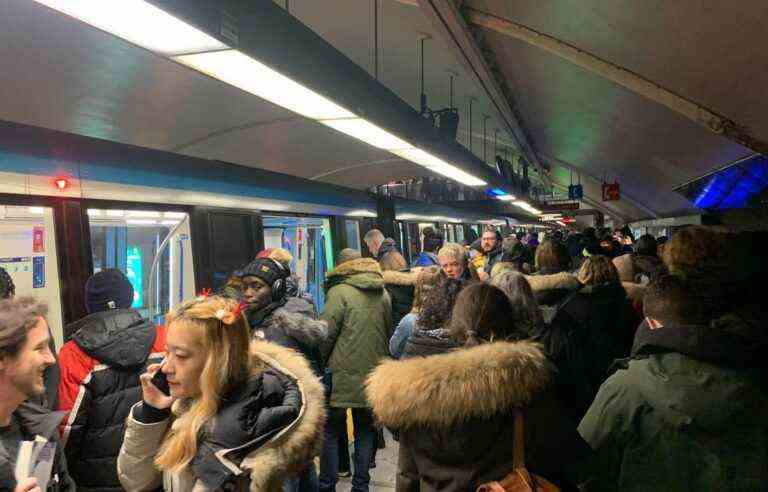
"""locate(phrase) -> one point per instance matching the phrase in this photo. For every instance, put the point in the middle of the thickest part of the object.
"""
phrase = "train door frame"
(72, 238)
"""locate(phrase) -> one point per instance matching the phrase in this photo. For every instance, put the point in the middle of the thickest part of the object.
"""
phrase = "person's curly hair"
(17, 317)
(438, 303)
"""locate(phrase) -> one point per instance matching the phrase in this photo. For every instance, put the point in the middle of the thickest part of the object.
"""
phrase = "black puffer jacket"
(100, 368)
(400, 287)
(423, 343)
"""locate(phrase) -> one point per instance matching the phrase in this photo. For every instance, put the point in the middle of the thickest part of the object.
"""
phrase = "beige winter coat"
(263, 469)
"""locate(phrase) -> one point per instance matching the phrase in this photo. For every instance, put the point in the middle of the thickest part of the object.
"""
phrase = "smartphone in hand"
(161, 381)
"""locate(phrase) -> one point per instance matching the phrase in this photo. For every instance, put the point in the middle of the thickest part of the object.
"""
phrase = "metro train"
(71, 206)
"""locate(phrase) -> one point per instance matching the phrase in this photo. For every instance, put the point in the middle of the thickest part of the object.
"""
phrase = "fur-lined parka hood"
(299, 326)
(393, 277)
(295, 445)
(362, 273)
(562, 280)
(445, 389)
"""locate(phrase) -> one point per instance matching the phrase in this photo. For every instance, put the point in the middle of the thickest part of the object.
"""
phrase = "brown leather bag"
(519, 480)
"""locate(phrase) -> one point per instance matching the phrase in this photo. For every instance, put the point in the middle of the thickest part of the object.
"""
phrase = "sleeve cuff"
(147, 414)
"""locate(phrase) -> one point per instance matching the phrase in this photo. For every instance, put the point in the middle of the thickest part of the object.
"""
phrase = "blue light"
(734, 186)
(498, 192)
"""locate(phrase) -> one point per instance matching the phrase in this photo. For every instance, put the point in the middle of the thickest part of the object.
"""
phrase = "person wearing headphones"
(272, 318)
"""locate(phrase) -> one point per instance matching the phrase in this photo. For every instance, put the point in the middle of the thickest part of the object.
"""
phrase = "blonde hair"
(453, 250)
(597, 270)
(224, 335)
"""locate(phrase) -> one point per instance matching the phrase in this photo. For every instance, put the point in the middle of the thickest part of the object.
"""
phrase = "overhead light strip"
(145, 25)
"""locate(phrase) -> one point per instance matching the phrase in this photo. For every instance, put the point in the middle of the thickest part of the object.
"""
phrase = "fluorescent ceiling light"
(36, 210)
(528, 208)
(174, 215)
(140, 23)
(169, 222)
(92, 212)
(439, 166)
(506, 198)
(140, 222)
(368, 133)
(242, 71)
(143, 213)
(115, 213)
(361, 213)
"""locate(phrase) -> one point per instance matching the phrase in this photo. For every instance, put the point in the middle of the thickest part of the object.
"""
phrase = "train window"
(309, 241)
(154, 251)
(28, 254)
(353, 234)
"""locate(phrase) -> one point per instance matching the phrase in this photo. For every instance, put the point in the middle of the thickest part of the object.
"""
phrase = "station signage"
(611, 192)
(556, 207)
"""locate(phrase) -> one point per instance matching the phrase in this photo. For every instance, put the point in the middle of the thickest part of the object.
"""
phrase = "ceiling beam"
(631, 200)
(634, 82)
(450, 24)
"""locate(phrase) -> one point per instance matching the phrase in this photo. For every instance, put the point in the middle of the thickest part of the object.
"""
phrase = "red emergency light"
(61, 183)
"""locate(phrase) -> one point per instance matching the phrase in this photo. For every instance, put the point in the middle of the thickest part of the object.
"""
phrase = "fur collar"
(297, 444)
(392, 277)
(562, 280)
(358, 265)
(299, 326)
(444, 389)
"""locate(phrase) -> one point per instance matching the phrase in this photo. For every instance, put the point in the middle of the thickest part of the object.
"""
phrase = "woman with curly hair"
(235, 417)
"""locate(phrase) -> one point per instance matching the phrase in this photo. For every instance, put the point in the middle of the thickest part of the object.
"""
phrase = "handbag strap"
(518, 460)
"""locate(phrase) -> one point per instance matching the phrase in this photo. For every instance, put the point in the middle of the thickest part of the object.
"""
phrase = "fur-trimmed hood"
(393, 277)
(363, 273)
(298, 326)
(562, 280)
(445, 389)
(295, 445)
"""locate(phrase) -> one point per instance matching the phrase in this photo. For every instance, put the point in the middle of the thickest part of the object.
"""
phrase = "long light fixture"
(242, 71)
(140, 23)
(505, 198)
(527, 207)
(439, 166)
(145, 25)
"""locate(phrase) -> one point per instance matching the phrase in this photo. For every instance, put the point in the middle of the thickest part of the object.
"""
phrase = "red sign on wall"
(38, 239)
(611, 192)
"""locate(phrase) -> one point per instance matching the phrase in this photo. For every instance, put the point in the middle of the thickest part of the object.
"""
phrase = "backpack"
(519, 479)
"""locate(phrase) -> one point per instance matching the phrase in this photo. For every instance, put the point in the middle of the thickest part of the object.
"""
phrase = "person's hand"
(150, 393)
(482, 275)
(27, 485)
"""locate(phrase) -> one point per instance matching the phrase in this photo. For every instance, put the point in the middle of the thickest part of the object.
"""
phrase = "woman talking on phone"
(237, 416)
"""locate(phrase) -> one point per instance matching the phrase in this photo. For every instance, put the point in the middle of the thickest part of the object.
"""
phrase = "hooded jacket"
(291, 326)
(359, 316)
(552, 289)
(686, 412)
(35, 420)
(592, 329)
(100, 368)
(454, 415)
(400, 287)
(272, 428)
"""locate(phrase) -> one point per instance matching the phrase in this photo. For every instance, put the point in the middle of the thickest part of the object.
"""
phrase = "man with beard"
(490, 241)
(24, 356)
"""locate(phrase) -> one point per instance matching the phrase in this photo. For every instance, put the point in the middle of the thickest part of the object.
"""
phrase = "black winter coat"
(454, 413)
(291, 326)
(400, 286)
(423, 343)
(100, 369)
(588, 333)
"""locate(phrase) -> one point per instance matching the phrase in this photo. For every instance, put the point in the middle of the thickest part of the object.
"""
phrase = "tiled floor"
(383, 476)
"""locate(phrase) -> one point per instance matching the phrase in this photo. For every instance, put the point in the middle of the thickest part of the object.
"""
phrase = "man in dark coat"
(687, 411)
(100, 367)
(24, 355)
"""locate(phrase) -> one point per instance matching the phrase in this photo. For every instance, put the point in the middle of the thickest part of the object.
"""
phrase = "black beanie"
(108, 289)
(266, 269)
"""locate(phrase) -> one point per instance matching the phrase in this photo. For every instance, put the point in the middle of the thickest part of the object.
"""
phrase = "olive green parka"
(359, 315)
